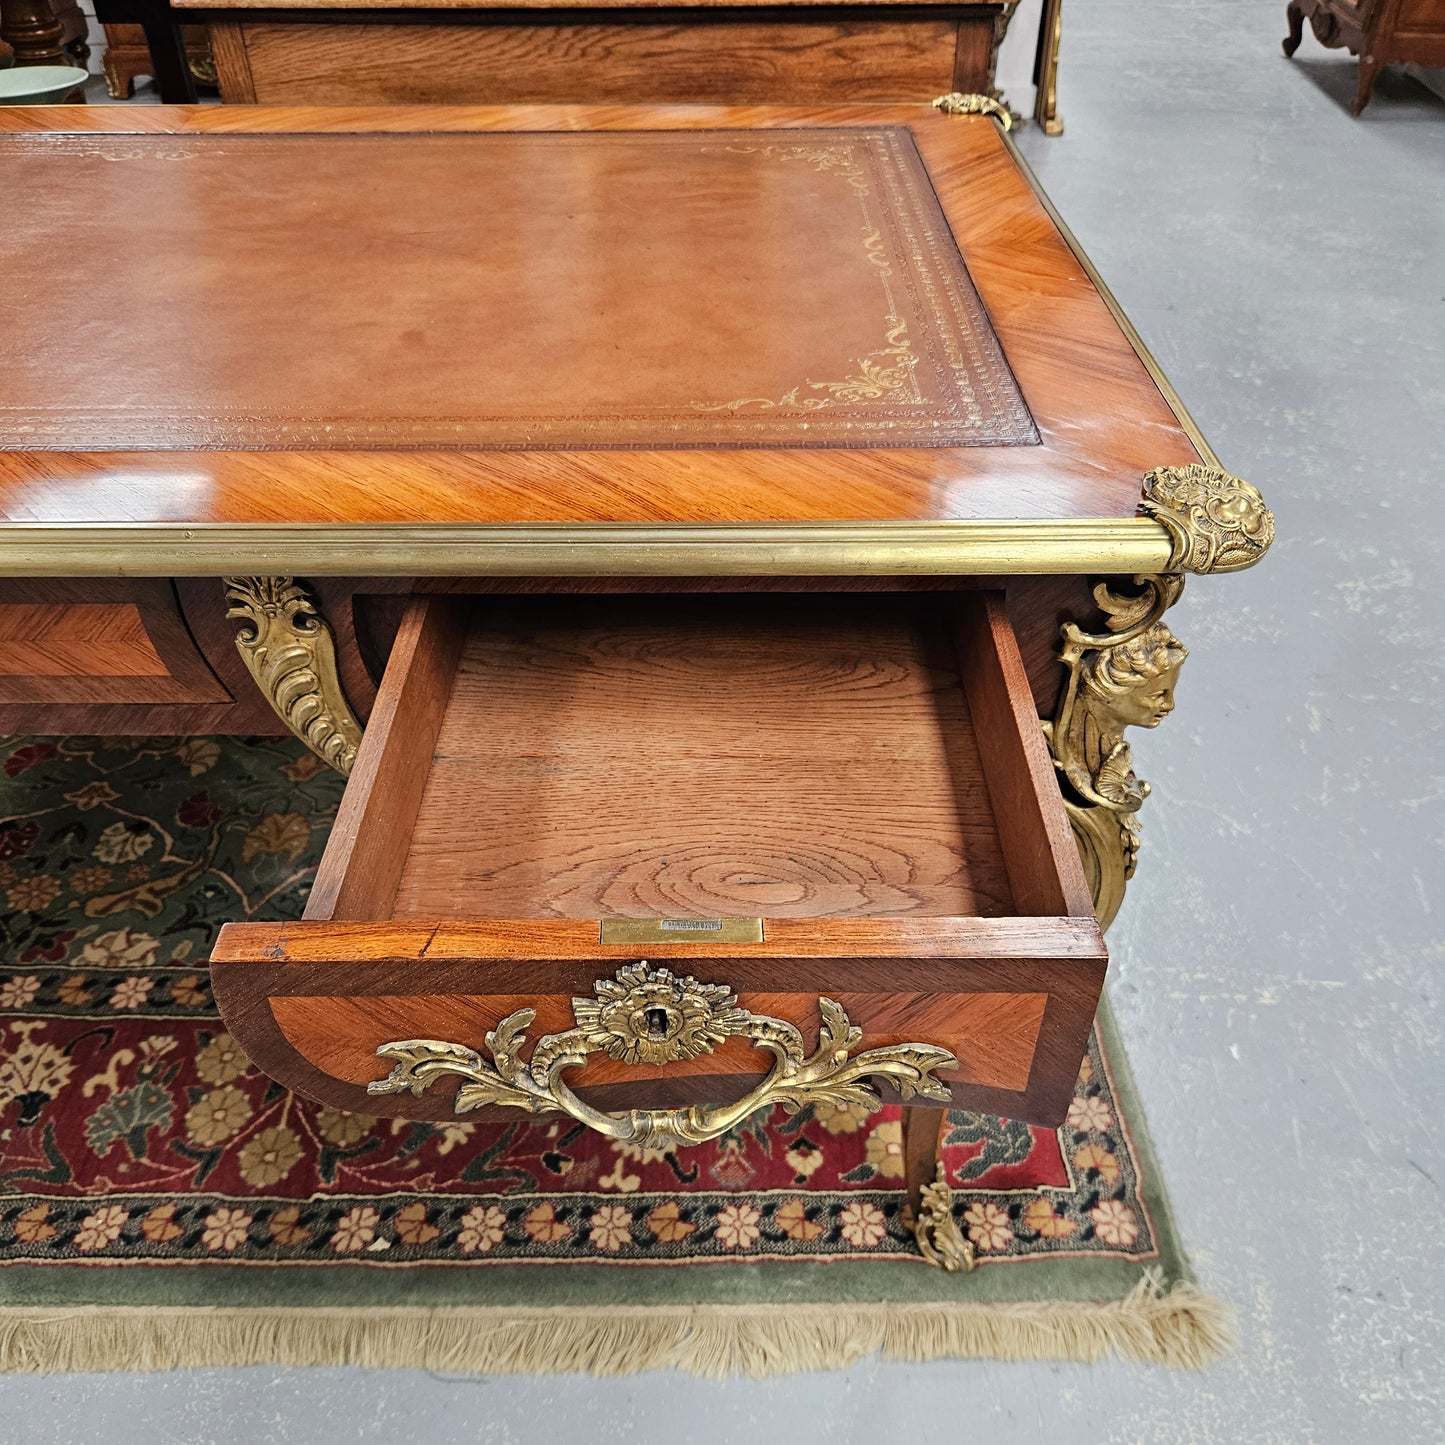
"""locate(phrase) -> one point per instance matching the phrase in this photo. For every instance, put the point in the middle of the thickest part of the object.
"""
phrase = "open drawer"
(690, 854)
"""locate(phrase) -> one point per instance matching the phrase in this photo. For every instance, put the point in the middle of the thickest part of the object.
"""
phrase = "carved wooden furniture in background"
(76, 30)
(755, 722)
(127, 56)
(1380, 32)
(44, 32)
(486, 52)
(32, 31)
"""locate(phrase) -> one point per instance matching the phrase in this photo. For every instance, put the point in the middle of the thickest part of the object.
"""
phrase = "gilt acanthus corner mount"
(1216, 522)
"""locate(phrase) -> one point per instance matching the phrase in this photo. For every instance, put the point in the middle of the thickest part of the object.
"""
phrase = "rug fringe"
(1180, 1327)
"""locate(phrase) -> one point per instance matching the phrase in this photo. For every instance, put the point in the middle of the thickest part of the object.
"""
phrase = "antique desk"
(725, 548)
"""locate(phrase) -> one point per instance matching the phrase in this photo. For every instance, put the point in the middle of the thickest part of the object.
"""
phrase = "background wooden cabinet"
(484, 54)
(127, 55)
(1380, 32)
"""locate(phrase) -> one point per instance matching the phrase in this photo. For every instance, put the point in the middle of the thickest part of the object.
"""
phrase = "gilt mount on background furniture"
(1380, 32)
(127, 55)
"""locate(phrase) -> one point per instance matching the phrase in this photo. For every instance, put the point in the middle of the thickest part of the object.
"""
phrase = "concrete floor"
(1275, 969)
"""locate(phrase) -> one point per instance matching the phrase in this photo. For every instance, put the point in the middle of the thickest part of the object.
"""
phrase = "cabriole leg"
(1121, 678)
(1125, 676)
(930, 1200)
(1369, 69)
(1296, 18)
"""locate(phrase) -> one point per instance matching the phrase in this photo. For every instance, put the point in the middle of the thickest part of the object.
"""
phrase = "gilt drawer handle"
(649, 1016)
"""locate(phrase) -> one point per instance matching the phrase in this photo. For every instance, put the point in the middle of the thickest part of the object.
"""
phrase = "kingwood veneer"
(701, 509)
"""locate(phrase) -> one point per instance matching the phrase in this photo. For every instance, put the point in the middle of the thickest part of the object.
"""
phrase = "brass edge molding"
(648, 1015)
(971, 548)
(935, 1229)
(1121, 678)
(956, 102)
(289, 650)
(1166, 388)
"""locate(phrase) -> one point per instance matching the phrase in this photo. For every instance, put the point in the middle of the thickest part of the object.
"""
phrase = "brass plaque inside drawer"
(681, 930)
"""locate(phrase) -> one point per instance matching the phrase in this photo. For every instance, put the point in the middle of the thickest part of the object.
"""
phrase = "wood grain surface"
(87, 654)
(373, 833)
(1036, 845)
(306, 999)
(1038, 607)
(395, 944)
(78, 639)
(922, 1138)
(302, 62)
(992, 1034)
(724, 757)
(593, 755)
(1103, 420)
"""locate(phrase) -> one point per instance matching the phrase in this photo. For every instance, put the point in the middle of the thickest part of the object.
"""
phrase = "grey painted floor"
(1276, 966)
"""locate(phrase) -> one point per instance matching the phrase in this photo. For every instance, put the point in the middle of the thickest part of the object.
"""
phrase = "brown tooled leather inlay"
(742, 288)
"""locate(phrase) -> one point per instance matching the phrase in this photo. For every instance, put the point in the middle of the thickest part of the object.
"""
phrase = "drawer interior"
(716, 757)
(861, 780)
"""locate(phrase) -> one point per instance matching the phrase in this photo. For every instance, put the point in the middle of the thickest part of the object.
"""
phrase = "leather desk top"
(855, 318)
(583, 290)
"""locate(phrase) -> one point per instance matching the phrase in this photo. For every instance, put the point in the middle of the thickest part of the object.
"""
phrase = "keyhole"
(656, 1023)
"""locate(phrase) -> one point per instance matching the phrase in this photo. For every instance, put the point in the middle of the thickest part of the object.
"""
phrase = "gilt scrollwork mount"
(289, 649)
(1125, 676)
(936, 1229)
(957, 102)
(648, 1015)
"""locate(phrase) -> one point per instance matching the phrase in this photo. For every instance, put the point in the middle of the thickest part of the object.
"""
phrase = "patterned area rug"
(163, 1202)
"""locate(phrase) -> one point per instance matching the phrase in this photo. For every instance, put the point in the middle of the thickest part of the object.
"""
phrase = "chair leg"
(1296, 18)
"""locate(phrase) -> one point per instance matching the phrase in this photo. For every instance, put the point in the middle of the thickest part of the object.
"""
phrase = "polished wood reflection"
(1102, 418)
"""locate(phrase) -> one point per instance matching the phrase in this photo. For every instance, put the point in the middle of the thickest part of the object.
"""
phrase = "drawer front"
(1006, 1003)
(99, 641)
(544, 781)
